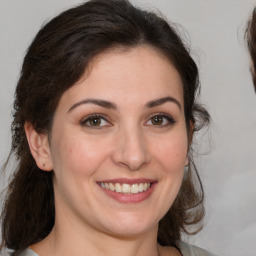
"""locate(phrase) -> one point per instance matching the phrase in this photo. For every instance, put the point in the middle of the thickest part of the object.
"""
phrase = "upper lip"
(128, 181)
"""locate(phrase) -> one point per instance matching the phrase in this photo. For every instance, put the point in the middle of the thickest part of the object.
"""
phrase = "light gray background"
(228, 170)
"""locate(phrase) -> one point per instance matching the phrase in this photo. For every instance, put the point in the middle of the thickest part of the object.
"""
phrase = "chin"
(131, 226)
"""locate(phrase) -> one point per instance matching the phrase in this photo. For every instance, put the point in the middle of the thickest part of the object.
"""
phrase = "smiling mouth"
(126, 188)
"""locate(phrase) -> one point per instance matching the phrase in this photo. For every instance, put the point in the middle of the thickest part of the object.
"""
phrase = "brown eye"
(95, 121)
(157, 120)
(160, 120)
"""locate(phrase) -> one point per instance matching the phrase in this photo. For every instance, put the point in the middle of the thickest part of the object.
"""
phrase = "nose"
(131, 150)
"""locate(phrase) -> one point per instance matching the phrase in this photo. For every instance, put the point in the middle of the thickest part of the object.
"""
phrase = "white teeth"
(134, 188)
(111, 187)
(126, 188)
(141, 187)
(118, 188)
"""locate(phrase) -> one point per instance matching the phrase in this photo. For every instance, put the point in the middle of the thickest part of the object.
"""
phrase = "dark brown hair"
(250, 35)
(56, 59)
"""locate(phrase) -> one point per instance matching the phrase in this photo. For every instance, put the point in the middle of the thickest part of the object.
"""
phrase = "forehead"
(139, 73)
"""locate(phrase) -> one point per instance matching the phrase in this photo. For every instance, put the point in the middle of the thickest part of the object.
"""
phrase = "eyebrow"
(101, 103)
(161, 101)
(110, 105)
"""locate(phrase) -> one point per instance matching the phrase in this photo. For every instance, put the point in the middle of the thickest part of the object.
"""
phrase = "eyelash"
(164, 117)
(95, 116)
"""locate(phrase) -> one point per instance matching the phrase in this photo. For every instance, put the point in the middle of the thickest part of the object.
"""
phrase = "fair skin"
(118, 147)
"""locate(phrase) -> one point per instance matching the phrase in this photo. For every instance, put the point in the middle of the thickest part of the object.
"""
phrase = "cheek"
(78, 155)
(172, 153)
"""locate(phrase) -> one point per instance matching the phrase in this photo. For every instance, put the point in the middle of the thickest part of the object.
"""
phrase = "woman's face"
(119, 143)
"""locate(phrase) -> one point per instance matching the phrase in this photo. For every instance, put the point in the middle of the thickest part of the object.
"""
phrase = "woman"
(104, 119)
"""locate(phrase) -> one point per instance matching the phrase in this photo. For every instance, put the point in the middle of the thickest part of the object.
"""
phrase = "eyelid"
(95, 115)
(169, 118)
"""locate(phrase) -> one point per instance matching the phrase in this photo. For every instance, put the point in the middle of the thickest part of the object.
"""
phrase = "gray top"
(186, 250)
(190, 250)
(28, 252)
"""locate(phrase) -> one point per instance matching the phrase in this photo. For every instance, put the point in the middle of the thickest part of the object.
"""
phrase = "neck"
(73, 240)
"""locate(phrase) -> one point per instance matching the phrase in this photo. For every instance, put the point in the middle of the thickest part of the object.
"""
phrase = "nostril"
(130, 150)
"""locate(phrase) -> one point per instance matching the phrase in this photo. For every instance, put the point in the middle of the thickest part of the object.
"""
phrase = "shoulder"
(191, 250)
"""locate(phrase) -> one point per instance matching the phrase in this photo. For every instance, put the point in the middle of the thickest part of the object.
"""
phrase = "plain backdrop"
(215, 31)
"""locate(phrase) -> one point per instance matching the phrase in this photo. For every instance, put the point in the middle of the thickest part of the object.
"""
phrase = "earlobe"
(187, 161)
(190, 138)
(39, 147)
(190, 133)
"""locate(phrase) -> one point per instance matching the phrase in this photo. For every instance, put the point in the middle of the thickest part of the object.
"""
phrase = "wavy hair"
(250, 36)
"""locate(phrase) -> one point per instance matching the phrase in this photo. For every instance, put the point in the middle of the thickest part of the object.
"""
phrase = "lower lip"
(130, 198)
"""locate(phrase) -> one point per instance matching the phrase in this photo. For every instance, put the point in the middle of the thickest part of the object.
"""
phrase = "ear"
(190, 138)
(39, 147)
